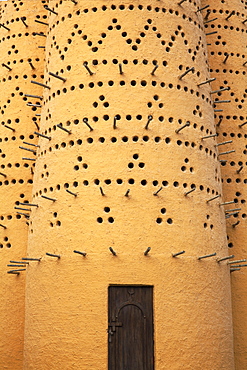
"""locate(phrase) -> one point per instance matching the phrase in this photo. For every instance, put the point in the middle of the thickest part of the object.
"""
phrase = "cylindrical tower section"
(20, 62)
(228, 63)
(128, 162)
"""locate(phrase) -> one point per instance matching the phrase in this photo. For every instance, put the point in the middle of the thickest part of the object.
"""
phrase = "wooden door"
(130, 330)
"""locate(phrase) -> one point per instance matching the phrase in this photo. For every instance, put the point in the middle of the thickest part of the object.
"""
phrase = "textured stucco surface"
(18, 46)
(66, 298)
(192, 298)
(231, 39)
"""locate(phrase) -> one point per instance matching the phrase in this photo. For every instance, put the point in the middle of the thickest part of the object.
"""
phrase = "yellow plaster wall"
(18, 45)
(66, 298)
(231, 39)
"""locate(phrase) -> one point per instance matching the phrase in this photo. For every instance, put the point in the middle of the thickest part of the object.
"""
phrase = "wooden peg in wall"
(85, 120)
(45, 197)
(63, 128)
(147, 251)
(192, 69)
(50, 10)
(210, 200)
(181, 2)
(34, 105)
(221, 101)
(31, 64)
(219, 122)
(23, 214)
(33, 96)
(220, 90)
(115, 121)
(6, 66)
(204, 7)
(187, 124)
(53, 255)
(56, 76)
(10, 128)
(42, 135)
(157, 192)
(242, 124)
(211, 33)
(207, 15)
(226, 203)
(177, 254)
(230, 15)
(23, 19)
(207, 81)
(102, 192)
(209, 136)
(39, 34)
(127, 193)
(226, 57)
(29, 150)
(120, 68)
(40, 84)
(31, 259)
(46, 24)
(25, 142)
(85, 64)
(15, 271)
(3, 226)
(149, 120)
(3, 174)
(190, 191)
(240, 169)
(70, 192)
(112, 251)
(207, 256)
(29, 204)
(210, 20)
(2, 25)
(28, 159)
(225, 258)
(228, 152)
(82, 253)
(153, 71)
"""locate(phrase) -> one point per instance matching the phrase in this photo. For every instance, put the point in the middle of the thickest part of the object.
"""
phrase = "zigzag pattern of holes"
(130, 7)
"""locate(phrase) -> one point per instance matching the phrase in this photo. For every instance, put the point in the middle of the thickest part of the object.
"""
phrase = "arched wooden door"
(130, 330)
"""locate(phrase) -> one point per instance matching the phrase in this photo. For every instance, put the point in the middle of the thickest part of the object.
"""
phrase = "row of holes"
(14, 181)
(227, 27)
(131, 181)
(125, 139)
(111, 220)
(131, 83)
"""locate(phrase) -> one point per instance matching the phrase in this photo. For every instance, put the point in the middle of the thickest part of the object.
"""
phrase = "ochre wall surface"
(18, 46)
(228, 63)
(66, 297)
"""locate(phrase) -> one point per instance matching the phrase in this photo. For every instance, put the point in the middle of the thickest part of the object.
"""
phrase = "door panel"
(130, 331)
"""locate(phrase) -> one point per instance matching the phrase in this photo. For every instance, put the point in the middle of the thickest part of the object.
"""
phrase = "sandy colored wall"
(66, 298)
(18, 46)
(231, 71)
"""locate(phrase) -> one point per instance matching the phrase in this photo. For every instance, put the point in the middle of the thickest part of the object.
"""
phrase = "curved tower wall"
(66, 297)
(231, 72)
(18, 48)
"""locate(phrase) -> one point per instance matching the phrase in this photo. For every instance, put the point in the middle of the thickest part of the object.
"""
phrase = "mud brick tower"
(123, 144)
